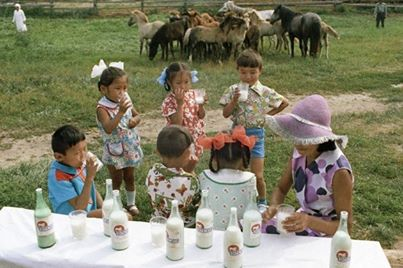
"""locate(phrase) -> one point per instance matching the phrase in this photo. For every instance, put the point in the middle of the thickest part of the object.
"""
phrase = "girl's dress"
(227, 188)
(191, 120)
(122, 147)
(313, 186)
(167, 184)
(19, 20)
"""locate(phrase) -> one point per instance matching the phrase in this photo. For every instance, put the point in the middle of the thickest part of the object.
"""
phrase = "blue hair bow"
(163, 77)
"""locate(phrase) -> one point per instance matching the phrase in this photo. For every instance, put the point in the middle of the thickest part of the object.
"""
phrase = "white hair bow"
(98, 69)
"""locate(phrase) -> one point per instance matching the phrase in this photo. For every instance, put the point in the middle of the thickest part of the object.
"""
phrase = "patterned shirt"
(167, 184)
(251, 113)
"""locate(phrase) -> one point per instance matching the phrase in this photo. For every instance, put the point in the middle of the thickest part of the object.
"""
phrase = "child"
(227, 181)
(19, 18)
(261, 100)
(167, 180)
(116, 120)
(180, 106)
(71, 176)
(318, 171)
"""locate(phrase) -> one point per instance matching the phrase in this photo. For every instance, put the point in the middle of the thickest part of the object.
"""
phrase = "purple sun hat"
(308, 123)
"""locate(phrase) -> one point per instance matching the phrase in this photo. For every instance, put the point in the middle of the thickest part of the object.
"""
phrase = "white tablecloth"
(18, 248)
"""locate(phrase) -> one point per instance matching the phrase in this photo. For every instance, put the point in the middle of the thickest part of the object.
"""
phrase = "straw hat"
(308, 123)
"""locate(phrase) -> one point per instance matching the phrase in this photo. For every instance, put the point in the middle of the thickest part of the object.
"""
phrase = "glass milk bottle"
(119, 227)
(233, 242)
(107, 207)
(340, 254)
(43, 222)
(204, 223)
(252, 223)
(175, 234)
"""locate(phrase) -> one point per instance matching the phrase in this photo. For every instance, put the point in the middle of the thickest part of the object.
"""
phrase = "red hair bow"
(220, 139)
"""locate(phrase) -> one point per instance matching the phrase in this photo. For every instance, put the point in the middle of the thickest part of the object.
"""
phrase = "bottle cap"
(204, 192)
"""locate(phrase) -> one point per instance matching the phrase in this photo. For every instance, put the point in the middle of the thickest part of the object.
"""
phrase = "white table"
(18, 248)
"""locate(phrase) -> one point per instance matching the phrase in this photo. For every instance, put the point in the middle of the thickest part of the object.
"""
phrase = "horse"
(325, 31)
(240, 11)
(146, 29)
(303, 26)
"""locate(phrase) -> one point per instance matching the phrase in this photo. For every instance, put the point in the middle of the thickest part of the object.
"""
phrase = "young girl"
(318, 171)
(180, 106)
(167, 180)
(116, 120)
(250, 110)
(227, 181)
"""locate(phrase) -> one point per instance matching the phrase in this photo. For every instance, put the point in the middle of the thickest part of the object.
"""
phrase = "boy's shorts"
(258, 149)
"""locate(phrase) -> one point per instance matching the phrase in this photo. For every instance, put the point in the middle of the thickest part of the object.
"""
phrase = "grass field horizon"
(45, 82)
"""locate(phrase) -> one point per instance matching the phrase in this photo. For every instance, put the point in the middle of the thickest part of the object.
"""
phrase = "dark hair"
(172, 70)
(173, 140)
(108, 75)
(231, 152)
(249, 58)
(326, 146)
(66, 137)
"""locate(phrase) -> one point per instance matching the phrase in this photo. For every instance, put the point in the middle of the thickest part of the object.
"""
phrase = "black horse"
(303, 26)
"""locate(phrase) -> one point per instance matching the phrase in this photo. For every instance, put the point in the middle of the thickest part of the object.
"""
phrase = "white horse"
(146, 29)
(230, 6)
(325, 31)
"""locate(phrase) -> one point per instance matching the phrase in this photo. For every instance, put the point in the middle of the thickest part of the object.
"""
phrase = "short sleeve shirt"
(251, 113)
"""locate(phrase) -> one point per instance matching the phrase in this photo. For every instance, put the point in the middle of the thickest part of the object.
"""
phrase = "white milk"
(243, 90)
(204, 228)
(252, 223)
(106, 211)
(119, 230)
(79, 228)
(158, 236)
(233, 247)
(175, 238)
(281, 216)
(340, 253)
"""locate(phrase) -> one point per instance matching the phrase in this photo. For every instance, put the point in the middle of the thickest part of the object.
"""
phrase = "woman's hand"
(179, 94)
(297, 222)
(269, 213)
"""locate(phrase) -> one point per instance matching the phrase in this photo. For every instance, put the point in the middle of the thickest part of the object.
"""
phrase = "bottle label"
(204, 229)
(343, 257)
(120, 232)
(173, 239)
(255, 229)
(234, 250)
(44, 226)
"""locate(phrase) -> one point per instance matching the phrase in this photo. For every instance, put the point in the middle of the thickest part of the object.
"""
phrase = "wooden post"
(95, 4)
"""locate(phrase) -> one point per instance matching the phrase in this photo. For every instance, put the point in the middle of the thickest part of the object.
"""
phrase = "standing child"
(227, 181)
(167, 181)
(116, 120)
(251, 111)
(71, 175)
(180, 106)
(19, 18)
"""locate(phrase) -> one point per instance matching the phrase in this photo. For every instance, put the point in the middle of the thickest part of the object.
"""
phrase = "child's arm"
(282, 106)
(229, 108)
(201, 113)
(81, 201)
(177, 118)
(135, 120)
(109, 124)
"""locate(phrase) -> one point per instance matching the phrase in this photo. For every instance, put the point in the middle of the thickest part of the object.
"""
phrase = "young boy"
(250, 112)
(71, 175)
(167, 180)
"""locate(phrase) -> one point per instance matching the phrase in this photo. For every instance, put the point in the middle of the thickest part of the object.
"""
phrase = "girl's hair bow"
(162, 79)
(98, 69)
(220, 139)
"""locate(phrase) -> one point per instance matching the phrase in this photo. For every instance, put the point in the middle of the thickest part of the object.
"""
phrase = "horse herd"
(203, 36)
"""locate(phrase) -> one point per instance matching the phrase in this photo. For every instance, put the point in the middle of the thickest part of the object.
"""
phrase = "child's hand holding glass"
(179, 94)
(124, 104)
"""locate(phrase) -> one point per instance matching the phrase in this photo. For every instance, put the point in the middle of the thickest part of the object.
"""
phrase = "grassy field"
(45, 82)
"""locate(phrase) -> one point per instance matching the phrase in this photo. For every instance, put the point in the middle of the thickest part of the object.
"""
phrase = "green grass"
(45, 82)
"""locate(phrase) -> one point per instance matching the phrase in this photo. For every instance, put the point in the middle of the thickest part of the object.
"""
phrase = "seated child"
(318, 171)
(167, 180)
(227, 181)
(71, 176)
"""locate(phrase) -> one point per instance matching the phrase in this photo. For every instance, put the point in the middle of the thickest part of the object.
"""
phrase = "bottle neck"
(233, 220)
(174, 211)
(252, 201)
(204, 201)
(116, 202)
(40, 202)
(109, 191)
(343, 222)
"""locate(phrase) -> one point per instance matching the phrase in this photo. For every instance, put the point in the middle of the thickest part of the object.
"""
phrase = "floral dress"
(191, 119)
(167, 184)
(122, 147)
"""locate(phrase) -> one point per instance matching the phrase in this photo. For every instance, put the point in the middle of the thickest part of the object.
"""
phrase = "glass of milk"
(98, 162)
(283, 211)
(78, 221)
(200, 93)
(243, 89)
(157, 225)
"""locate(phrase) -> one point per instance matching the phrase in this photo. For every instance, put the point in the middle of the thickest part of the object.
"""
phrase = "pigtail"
(210, 164)
(245, 156)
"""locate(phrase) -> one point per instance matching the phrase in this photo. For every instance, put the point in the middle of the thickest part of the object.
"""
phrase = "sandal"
(133, 210)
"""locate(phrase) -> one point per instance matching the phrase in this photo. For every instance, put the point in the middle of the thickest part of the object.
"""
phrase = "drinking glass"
(283, 211)
(98, 162)
(78, 221)
(200, 93)
(157, 225)
(243, 90)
